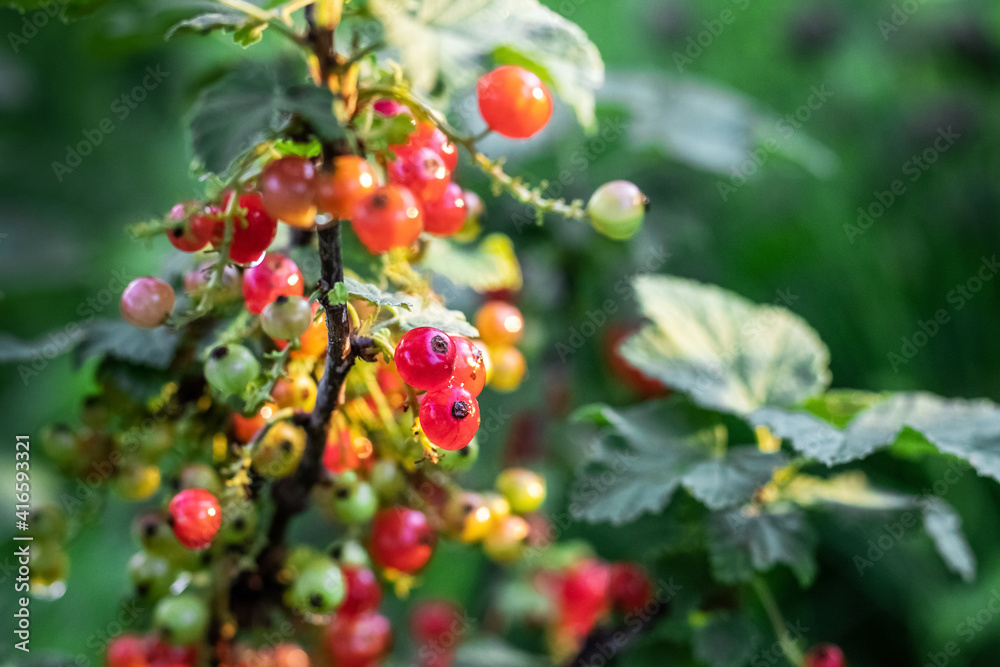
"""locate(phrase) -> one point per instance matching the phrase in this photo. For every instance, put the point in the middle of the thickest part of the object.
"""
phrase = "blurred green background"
(695, 91)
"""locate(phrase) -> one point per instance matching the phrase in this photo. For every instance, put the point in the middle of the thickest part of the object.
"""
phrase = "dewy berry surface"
(147, 302)
(470, 366)
(514, 102)
(402, 539)
(450, 417)
(196, 517)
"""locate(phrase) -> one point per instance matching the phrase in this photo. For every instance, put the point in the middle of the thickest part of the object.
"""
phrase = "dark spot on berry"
(142, 590)
(286, 446)
(316, 600)
(337, 551)
(281, 299)
(439, 345)
(467, 508)
(220, 352)
(646, 204)
(380, 201)
(170, 520)
(239, 523)
(206, 558)
(464, 451)
(461, 409)
(177, 232)
(343, 492)
(149, 530)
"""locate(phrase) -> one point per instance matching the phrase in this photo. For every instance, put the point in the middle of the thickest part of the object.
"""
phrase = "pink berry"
(196, 517)
(275, 276)
(425, 358)
(146, 302)
(432, 621)
(449, 417)
(193, 234)
(446, 214)
(364, 593)
(825, 655)
(402, 539)
(422, 172)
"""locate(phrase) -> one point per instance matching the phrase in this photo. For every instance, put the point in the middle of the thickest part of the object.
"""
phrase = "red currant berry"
(470, 366)
(390, 217)
(192, 235)
(146, 302)
(127, 651)
(630, 587)
(446, 214)
(196, 517)
(422, 171)
(275, 276)
(338, 192)
(389, 107)
(364, 593)
(429, 136)
(358, 640)
(252, 233)
(585, 595)
(513, 101)
(162, 654)
(425, 358)
(449, 417)
(825, 655)
(288, 191)
(402, 539)
(435, 622)
(499, 323)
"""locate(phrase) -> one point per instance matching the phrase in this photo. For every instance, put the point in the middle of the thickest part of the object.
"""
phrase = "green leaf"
(445, 45)
(67, 9)
(252, 103)
(969, 429)
(48, 346)
(727, 353)
(493, 652)
(338, 295)
(491, 265)
(944, 525)
(119, 340)
(646, 452)
(204, 24)
(372, 294)
(727, 640)
(744, 540)
(432, 314)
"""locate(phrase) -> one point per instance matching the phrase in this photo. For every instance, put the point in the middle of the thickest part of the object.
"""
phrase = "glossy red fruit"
(470, 366)
(425, 358)
(630, 587)
(252, 233)
(288, 191)
(446, 214)
(358, 640)
(275, 276)
(585, 595)
(196, 517)
(339, 191)
(147, 302)
(364, 593)
(422, 171)
(193, 234)
(513, 101)
(162, 654)
(126, 651)
(428, 136)
(825, 655)
(435, 622)
(390, 217)
(450, 417)
(402, 539)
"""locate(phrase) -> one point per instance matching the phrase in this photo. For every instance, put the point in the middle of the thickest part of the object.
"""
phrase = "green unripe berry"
(354, 502)
(388, 479)
(523, 489)
(460, 460)
(319, 588)
(59, 444)
(199, 476)
(350, 553)
(617, 209)
(181, 619)
(151, 575)
(230, 368)
(286, 318)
